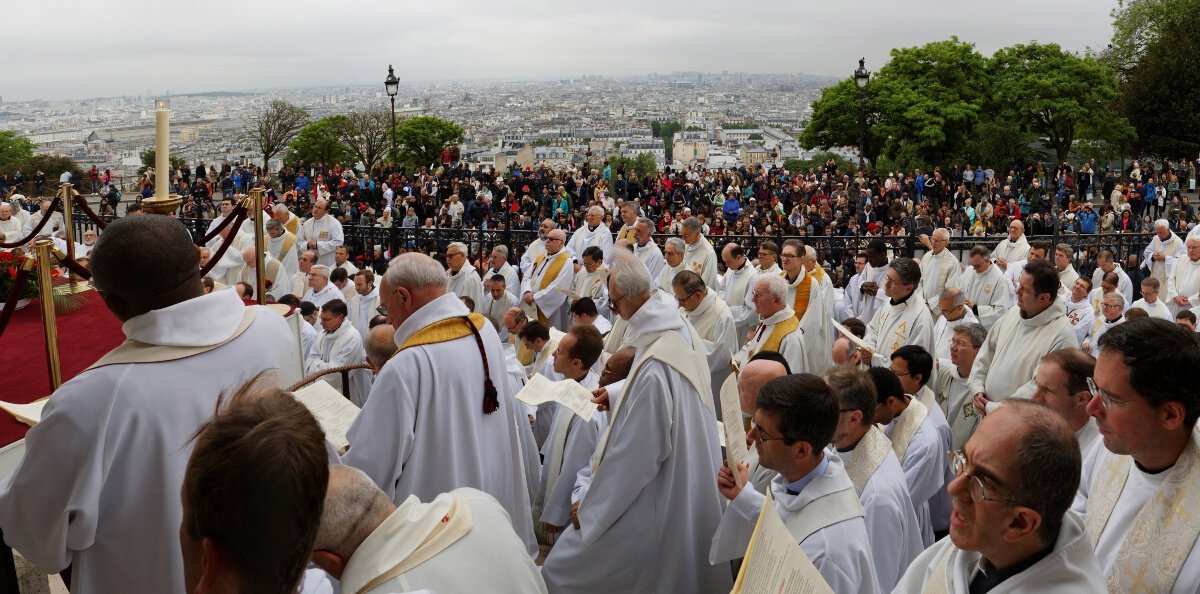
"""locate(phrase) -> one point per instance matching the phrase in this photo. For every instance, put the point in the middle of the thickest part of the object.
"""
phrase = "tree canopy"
(318, 142)
(274, 126)
(148, 157)
(1162, 92)
(14, 147)
(422, 139)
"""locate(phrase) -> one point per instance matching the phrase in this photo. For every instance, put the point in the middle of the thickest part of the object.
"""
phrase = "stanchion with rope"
(81, 202)
(44, 247)
(237, 210)
(216, 257)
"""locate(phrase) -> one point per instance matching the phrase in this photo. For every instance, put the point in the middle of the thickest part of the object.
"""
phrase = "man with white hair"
(400, 437)
(1013, 248)
(537, 247)
(461, 277)
(322, 233)
(498, 264)
(283, 245)
(939, 269)
(592, 233)
(543, 289)
(1164, 250)
(1112, 314)
(647, 517)
(645, 249)
(56, 220)
(286, 218)
(10, 224)
(952, 304)
(778, 329)
(320, 291)
(1183, 284)
(303, 269)
(89, 241)
(711, 318)
(699, 256)
(459, 541)
(277, 282)
(809, 260)
(673, 254)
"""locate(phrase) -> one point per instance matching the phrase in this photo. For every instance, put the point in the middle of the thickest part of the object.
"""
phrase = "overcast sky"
(120, 47)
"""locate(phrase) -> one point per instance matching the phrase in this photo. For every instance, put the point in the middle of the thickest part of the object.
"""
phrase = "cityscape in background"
(728, 119)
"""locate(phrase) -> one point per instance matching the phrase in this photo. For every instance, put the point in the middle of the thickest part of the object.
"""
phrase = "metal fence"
(838, 251)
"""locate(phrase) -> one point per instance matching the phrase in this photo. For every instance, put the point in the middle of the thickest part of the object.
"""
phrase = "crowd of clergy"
(995, 423)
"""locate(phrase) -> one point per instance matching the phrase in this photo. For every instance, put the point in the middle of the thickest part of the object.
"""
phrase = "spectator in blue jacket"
(1087, 219)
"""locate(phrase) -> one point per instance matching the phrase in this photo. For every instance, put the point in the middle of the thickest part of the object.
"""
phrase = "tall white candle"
(162, 147)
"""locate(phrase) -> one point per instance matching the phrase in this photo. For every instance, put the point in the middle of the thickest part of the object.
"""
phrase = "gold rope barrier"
(46, 286)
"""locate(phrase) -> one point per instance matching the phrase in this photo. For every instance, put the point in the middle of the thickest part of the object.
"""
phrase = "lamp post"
(391, 84)
(861, 78)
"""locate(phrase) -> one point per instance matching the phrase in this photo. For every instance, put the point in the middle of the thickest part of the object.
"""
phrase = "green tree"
(51, 165)
(541, 142)
(148, 161)
(1052, 93)
(422, 139)
(835, 119)
(274, 126)
(1162, 97)
(818, 160)
(641, 165)
(1140, 24)
(14, 147)
(318, 142)
(693, 129)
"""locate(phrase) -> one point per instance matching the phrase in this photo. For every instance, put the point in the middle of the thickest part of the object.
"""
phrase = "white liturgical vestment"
(327, 232)
(286, 249)
(701, 258)
(98, 488)
(568, 448)
(339, 348)
(319, 298)
(943, 334)
(512, 282)
(583, 238)
(714, 323)
(922, 455)
(1015, 345)
(667, 274)
(465, 283)
(1124, 285)
(651, 256)
(989, 292)
(551, 301)
(1011, 251)
(536, 248)
(938, 271)
(863, 306)
(1184, 281)
(401, 439)
(652, 505)
(814, 323)
(897, 325)
(737, 292)
(1070, 568)
(362, 308)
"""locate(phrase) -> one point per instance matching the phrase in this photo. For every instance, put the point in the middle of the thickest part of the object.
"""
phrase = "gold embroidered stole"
(1164, 530)
(800, 303)
(906, 427)
(454, 525)
(870, 452)
(289, 241)
(443, 331)
(548, 277)
(780, 330)
(626, 233)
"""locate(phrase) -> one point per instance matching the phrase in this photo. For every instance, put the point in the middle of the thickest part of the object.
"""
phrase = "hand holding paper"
(569, 393)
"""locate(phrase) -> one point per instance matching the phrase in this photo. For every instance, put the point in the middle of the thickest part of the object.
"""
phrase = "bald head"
(248, 257)
(754, 375)
(354, 508)
(145, 263)
(618, 365)
(380, 346)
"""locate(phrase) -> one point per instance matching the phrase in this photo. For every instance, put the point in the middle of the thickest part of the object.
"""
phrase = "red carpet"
(84, 336)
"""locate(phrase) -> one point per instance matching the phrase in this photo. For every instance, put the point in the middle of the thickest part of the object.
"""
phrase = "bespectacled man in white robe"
(322, 233)
(461, 277)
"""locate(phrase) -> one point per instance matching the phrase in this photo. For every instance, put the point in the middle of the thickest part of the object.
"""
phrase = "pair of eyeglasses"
(957, 461)
(1105, 398)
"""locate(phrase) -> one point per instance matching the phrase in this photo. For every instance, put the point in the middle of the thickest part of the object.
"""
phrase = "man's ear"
(215, 567)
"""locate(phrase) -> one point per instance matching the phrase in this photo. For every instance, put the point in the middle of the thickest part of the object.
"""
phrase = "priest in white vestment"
(498, 264)
(592, 280)
(1164, 249)
(712, 320)
(543, 291)
(699, 255)
(1017, 342)
(646, 250)
(460, 541)
(807, 302)
(1037, 251)
(287, 218)
(812, 492)
(320, 290)
(400, 438)
(1079, 309)
(914, 366)
(1112, 314)
(628, 231)
(1063, 255)
(651, 507)
(768, 258)
(277, 281)
(985, 287)
(951, 385)
(954, 314)
(1183, 285)
(752, 378)
(916, 433)
(673, 252)
(939, 269)
(322, 233)
(1013, 248)
(10, 224)
(536, 248)
(1150, 302)
(904, 320)
(592, 233)
(284, 246)
(1106, 264)
(777, 330)
(892, 526)
(98, 486)
(496, 303)
(865, 291)
(338, 345)
(55, 224)
(737, 288)
(228, 269)
(461, 277)
(1138, 491)
(364, 303)
(1012, 530)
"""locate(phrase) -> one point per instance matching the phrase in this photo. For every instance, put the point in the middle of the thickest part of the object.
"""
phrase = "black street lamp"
(391, 84)
(861, 78)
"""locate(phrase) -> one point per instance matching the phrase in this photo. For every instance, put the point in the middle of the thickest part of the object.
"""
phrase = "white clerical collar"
(778, 316)
(199, 321)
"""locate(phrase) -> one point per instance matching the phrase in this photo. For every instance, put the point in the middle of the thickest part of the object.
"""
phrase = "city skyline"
(214, 47)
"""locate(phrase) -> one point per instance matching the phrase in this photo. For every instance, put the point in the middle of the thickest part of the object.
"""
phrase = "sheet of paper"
(721, 434)
(572, 294)
(774, 562)
(30, 414)
(333, 411)
(733, 433)
(850, 335)
(569, 393)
